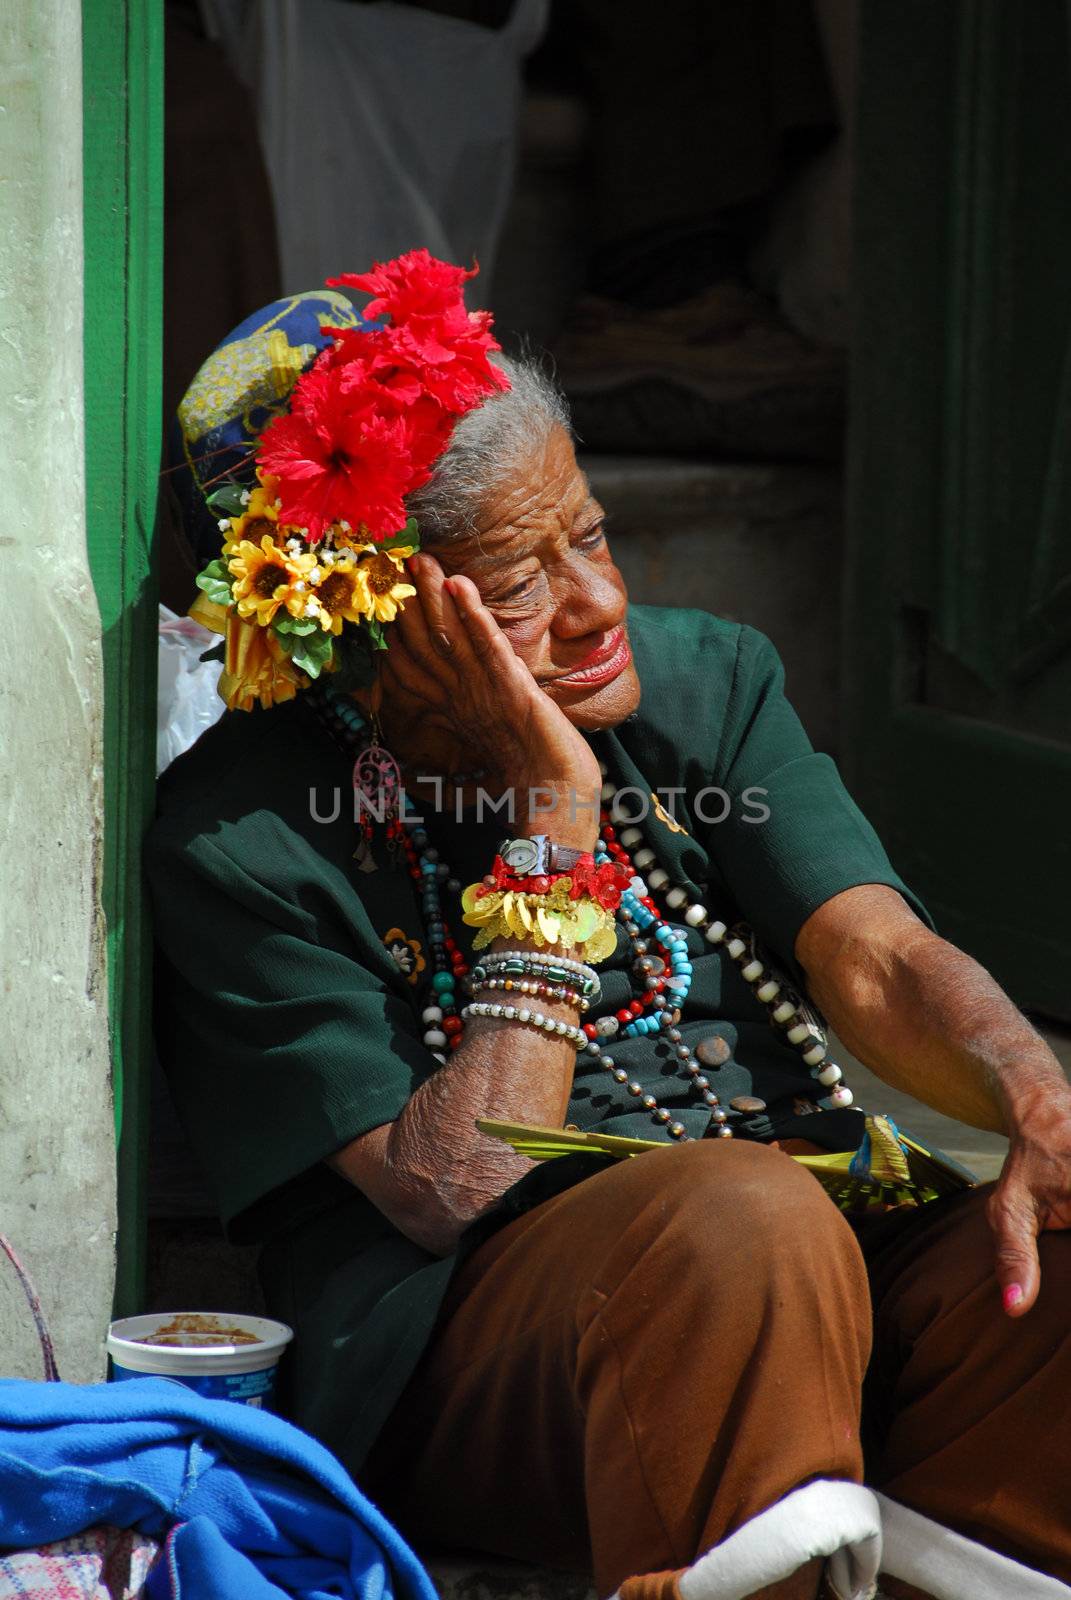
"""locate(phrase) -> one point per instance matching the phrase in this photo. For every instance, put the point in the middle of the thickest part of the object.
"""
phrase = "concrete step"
(480, 1578)
(476, 1577)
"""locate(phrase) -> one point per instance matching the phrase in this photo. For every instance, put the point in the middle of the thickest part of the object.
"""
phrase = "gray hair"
(486, 448)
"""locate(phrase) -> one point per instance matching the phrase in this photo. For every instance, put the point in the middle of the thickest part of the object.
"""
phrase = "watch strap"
(564, 856)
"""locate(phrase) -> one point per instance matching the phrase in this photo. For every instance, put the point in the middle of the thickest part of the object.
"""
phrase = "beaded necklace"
(660, 955)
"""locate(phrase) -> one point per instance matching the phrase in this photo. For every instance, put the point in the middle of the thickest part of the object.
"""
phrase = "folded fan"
(888, 1169)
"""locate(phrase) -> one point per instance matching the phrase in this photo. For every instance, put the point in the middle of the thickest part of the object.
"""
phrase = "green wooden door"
(958, 588)
(122, 51)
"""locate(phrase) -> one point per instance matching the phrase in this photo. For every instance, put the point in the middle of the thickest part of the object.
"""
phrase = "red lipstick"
(602, 665)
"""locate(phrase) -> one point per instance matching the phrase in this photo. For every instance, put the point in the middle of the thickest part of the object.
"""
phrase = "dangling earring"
(377, 784)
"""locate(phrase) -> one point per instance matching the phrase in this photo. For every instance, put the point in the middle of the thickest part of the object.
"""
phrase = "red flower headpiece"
(374, 411)
(318, 547)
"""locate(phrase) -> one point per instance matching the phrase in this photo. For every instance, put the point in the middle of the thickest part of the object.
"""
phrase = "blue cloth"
(237, 390)
(251, 1507)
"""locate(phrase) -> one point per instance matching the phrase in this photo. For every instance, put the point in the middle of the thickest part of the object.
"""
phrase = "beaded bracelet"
(580, 968)
(549, 988)
(532, 986)
(534, 1019)
(540, 958)
(524, 964)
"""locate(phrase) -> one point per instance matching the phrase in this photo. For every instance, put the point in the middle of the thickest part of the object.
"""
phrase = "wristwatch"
(535, 857)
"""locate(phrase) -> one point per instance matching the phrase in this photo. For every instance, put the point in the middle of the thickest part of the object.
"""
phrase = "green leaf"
(313, 653)
(285, 623)
(375, 633)
(409, 535)
(227, 499)
(215, 580)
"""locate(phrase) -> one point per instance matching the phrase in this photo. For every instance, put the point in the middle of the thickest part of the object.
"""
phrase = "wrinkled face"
(543, 568)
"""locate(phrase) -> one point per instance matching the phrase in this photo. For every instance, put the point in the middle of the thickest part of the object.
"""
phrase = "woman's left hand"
(1033, 1194)
(934, 1024)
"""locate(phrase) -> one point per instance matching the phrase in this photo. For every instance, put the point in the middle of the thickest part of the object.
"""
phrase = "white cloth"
(384, 127)
(825, 1518)
(952, 1567)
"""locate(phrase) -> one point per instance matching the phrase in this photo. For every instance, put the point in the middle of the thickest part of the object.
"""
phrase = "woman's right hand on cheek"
(452, 664)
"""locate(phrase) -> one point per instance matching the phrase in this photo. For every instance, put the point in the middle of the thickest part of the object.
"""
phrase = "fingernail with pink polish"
(1012, 1296)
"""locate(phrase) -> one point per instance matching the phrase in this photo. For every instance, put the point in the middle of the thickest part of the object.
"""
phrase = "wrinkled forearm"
(431, 1171)
(924, 1015)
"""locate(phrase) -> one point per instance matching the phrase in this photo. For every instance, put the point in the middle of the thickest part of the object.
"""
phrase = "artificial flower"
(428, 359)
(258, 516)
(385, 379)
(604, 883)
(256, 668)
(453, 367)
(268, 577)
(362, 429)
(416, 284)
(339, 596)
(383, 585)
(338, 458)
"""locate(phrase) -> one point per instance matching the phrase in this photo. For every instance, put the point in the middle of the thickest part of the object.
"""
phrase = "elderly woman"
(648, 1368)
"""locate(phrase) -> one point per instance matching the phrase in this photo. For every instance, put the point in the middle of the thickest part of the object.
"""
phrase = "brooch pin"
(407, 954)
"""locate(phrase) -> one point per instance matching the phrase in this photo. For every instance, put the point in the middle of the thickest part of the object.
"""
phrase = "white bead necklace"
(799, 1023)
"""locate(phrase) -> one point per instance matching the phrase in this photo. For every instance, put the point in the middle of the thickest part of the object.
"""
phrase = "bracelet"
(573, 913)
(532, 986)
(534, 1019)
(534, 964)
(538, 958)
(547, 984)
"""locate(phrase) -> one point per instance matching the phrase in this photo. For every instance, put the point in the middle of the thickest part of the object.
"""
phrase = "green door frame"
(956, 581)
(122, 55)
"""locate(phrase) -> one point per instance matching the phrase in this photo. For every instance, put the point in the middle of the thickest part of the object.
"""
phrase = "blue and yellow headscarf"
(243, 384)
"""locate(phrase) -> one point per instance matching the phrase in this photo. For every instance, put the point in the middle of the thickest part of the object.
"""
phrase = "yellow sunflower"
(381, 575)
(338, 596)
(269, 578)
(260, 517)
(256, 667)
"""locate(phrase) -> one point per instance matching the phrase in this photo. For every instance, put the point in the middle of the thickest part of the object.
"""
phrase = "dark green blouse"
(290, 983)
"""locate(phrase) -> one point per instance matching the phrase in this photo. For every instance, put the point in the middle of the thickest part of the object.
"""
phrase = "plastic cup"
(205, 1355)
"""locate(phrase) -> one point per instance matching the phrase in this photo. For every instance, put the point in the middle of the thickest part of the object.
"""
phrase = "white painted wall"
(57, 1181)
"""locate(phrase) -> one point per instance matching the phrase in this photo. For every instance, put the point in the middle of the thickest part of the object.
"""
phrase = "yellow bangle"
(551, 918)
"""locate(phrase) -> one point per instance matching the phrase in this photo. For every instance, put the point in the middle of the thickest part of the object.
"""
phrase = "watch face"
(520, 855)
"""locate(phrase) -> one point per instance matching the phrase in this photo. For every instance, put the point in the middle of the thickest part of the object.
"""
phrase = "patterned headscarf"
(243, 384)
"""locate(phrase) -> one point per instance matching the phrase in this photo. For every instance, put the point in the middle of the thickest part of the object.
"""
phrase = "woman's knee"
(759, 1191)
(722, 1204)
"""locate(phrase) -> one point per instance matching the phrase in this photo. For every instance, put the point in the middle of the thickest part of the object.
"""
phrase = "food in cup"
(194, 1329)
(222, 1355)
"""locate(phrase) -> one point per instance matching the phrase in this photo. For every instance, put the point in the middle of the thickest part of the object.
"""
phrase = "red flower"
(430, 333)
(414, 285)
(375, 411)
(453, 367)
(430, 428)
(604, 883)
(341, 457)
(450, 365)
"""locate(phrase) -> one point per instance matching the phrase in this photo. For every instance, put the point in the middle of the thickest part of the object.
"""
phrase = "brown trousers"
(630, 1371)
